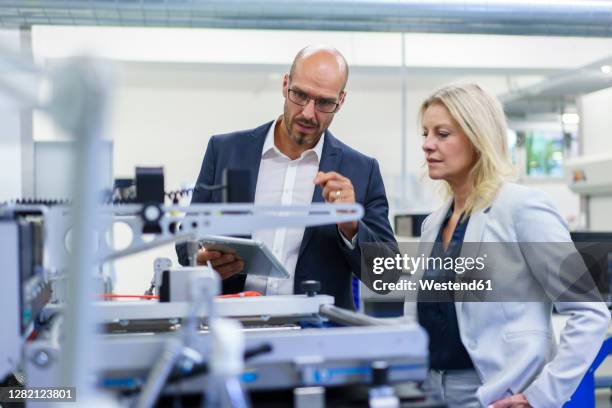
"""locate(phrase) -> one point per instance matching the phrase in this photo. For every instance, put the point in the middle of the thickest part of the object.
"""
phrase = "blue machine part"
(584, 396)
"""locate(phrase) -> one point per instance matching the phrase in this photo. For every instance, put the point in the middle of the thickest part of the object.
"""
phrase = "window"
(539, 151)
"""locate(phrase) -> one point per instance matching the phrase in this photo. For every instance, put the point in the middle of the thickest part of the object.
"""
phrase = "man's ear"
(285, 84)
(342, 96)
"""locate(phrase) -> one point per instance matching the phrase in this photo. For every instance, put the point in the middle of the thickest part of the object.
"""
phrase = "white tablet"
(258, 260)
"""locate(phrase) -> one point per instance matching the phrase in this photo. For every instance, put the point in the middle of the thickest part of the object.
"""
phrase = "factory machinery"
(189, 346)
(193, 346)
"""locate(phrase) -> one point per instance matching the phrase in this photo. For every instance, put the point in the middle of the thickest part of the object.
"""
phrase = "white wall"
(596, 122)
(10, 130)
(279, 47)
(10, 154)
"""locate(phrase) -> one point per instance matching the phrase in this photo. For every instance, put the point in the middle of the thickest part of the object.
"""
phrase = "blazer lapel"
(251, 155)
(471, 244)
(330, 161)
(426, 243)
(428, 236)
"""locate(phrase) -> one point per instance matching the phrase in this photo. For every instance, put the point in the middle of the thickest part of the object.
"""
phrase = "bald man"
(295, 160)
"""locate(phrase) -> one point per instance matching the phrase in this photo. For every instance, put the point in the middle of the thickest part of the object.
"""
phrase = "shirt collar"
(462, 220)
(270, 148)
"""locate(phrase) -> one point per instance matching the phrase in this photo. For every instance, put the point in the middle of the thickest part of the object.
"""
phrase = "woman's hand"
(514, 401)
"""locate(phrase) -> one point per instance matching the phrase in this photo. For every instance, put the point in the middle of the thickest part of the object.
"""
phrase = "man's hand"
(338, 189)
(225, 263)
(514, 401)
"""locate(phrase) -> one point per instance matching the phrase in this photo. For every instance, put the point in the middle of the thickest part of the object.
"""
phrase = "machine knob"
(380, 373)
(151, 213)
(311, 287)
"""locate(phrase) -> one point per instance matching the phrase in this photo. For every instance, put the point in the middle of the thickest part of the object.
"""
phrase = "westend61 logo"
(410, 264)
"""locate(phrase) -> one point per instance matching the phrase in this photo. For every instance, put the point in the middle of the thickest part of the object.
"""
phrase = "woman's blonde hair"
(482, 119)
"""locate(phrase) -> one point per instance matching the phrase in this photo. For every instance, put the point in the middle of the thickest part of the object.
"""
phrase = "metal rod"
(404, 136)
(79, 105)
(160, 373)
(349, 317)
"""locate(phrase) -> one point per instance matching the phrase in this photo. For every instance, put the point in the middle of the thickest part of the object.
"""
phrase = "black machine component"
(124, 190)
(35, 292)
(150, 185)
(408, 225)
(595, 248)
(151, 213)
(150, 192)
(236, 188)
(311, 287)
(382, 394)
(380, 373)
(164, 289)
(25, 290)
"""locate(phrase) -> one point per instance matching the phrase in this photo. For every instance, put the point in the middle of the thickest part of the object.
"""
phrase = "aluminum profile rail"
(587, 18)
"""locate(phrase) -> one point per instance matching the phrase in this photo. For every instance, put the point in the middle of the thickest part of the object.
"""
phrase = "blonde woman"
(484, 354)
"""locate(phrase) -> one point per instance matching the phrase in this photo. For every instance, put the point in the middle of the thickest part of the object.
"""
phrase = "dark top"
(438, 315)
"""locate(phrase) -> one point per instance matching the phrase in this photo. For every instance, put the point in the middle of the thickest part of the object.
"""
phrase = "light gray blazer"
(511, 343)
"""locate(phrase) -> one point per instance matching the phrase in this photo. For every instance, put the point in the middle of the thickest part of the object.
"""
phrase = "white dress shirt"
(282, 181)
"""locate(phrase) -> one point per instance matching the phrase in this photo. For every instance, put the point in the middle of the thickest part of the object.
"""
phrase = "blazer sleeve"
(200, 195)
(537, 221)
(374, 228)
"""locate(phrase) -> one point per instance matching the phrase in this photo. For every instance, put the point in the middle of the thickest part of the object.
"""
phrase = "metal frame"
(267, 306)
(180, 223)
(305, 357)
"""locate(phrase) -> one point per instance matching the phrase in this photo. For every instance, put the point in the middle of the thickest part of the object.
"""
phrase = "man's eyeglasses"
(321, 104)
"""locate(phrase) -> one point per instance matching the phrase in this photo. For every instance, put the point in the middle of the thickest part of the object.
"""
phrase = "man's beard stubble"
(297, 137)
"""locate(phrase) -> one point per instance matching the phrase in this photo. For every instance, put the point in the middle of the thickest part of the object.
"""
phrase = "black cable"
(210, 188)
(255, 351)
(202, 368)
(187, 191)
(176, 194)
(173, 195)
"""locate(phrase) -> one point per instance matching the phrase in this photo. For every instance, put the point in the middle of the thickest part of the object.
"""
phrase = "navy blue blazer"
(323, 256)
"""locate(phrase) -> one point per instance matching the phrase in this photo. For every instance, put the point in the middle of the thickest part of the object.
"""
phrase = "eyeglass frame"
(312, 98)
